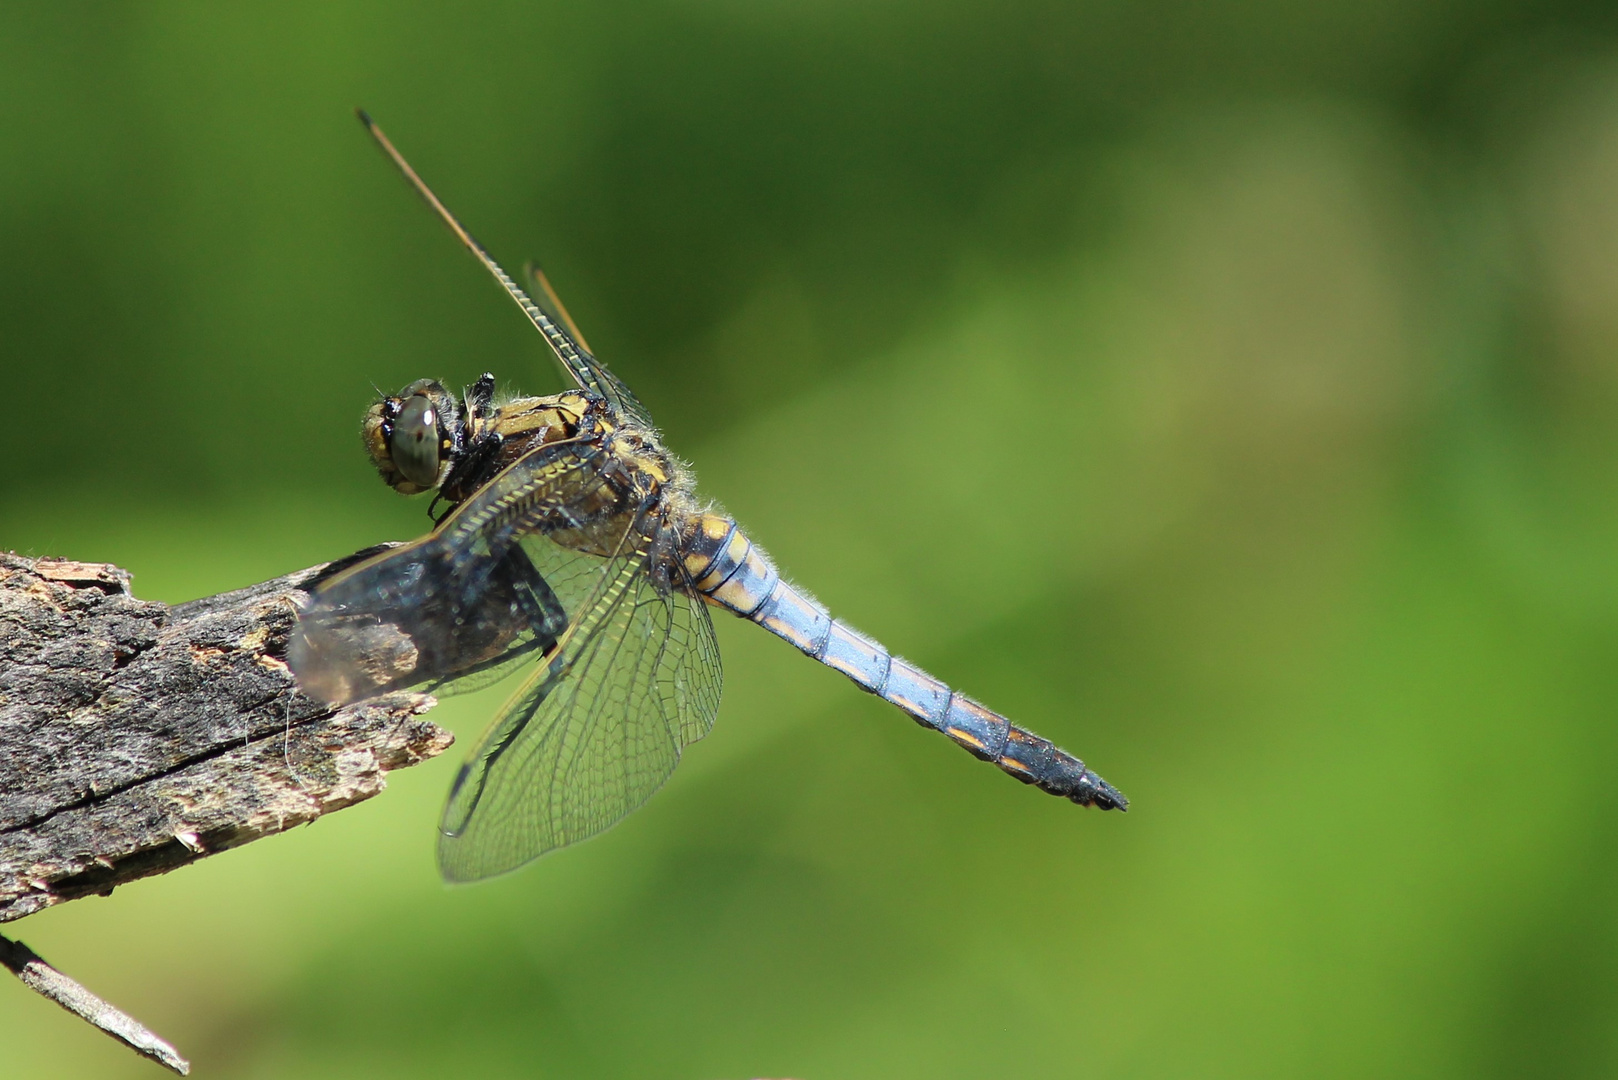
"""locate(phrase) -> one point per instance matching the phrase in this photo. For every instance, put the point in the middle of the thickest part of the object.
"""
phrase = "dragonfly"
(574, 548)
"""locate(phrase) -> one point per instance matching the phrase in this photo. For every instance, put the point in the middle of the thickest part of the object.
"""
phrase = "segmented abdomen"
(731, 571)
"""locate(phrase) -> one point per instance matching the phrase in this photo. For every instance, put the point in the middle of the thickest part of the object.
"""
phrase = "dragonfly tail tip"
(1102, 795)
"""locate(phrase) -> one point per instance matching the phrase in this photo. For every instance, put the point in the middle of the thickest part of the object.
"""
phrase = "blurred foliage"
(1225, 391)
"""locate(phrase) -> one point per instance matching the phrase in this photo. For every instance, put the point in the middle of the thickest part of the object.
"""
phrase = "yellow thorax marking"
(559, 415)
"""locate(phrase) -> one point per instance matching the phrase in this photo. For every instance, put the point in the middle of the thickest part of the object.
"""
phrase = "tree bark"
(136, 738)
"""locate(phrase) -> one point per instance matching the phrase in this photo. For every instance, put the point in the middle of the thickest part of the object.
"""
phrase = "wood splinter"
(43, 979)
(136, 738)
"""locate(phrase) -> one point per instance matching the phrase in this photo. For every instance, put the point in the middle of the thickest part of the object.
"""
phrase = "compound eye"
(414, 442)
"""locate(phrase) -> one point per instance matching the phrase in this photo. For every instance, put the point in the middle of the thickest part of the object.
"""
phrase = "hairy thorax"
(638, 487)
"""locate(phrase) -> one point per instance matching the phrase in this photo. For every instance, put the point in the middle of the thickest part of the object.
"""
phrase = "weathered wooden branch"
(136, 737)
(45, 980)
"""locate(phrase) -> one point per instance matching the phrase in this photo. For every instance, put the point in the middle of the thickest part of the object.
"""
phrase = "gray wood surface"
(136, 737)
(52, 985)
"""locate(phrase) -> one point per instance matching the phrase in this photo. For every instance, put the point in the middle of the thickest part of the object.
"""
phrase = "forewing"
(461, 606)
(576, 362)
(593, 733)
(592, 373)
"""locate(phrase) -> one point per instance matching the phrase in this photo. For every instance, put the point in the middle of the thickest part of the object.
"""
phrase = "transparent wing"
(576, 362)
(605, 382)
(593, 733)
(465, 604)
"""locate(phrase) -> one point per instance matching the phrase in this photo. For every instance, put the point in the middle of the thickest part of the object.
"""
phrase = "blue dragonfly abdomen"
(730, 571)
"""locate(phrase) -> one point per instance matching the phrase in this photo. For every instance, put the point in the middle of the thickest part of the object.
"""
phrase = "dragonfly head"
(413, 436)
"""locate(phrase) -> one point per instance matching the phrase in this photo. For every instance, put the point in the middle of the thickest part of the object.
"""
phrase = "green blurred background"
(1226, 391)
